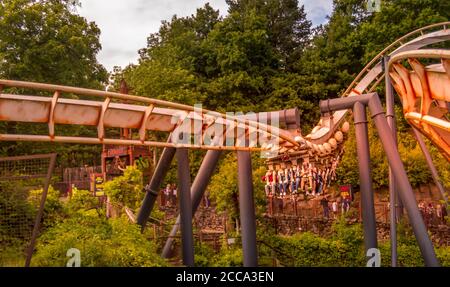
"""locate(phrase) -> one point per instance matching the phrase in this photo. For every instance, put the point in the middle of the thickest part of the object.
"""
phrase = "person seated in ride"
(292, 180)
(327, 177)
(334, 165)
(314, 180)
(273, 184)
(310, 180)
(288, 177)
(280, 179)
(298, 172)
(304, 176)
(319, 181)
(267, 178)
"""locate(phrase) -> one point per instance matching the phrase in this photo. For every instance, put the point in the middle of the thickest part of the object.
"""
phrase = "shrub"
(102, 242)
(53, 208)
(126, 190)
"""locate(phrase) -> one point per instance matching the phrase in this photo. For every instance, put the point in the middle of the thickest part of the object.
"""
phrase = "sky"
(126, 24)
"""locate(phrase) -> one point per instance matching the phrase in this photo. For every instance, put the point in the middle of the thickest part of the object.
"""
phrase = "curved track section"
(187, 126)
(425, 93)
(373, 74)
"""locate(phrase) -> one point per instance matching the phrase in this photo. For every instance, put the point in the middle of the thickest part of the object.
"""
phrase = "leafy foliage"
(343, 249)
(224, 186)
(410, 152)
(228, 256)
(126, 190)
(45, 41)
(17, 214)
(53, 208)
(102, 242)
(82, 201)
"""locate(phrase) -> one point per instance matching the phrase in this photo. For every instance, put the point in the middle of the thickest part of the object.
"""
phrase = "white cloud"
(316, 10)
(125, 25)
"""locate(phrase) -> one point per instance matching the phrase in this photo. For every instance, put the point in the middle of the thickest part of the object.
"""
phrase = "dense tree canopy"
(263, 55)
(46, 41)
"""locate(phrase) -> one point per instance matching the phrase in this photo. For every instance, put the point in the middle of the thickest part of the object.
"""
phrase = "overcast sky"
(126, 24)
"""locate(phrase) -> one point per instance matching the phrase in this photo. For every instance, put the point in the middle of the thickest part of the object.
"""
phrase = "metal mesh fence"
(18, 208)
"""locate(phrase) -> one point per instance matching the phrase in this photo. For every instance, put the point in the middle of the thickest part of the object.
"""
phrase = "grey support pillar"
(404, 187)
(198, 188)
(184, 187)
(405, 190)
(247, 209)
(390, 116)
(429, 160)
(154, 185)
(365, 177)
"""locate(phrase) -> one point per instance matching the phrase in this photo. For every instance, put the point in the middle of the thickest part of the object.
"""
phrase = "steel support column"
(154, 185)
(247, 209)
(38, 219)
(405, 190)
(365, 177)
(390, 116)
(429, 160)
(404, 187)
(184, 187)
(198, 188)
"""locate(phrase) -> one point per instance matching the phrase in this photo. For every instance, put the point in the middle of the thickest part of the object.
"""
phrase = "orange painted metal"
(425, 93)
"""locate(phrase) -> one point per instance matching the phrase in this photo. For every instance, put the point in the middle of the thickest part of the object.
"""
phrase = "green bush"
(102, 242)
(53, 208)
(224, 186)
(17, 214)
(126, 190)
(345, 248)
(82, 200)
(228, 257)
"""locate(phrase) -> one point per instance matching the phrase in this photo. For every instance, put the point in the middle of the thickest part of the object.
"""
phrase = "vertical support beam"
(365, 177)
(198, 188)
(37, 222)
(431, 166)
(153, 187)
(390, 117)
(405, 190)
(247, 209)
(184, 187)
(404, 187)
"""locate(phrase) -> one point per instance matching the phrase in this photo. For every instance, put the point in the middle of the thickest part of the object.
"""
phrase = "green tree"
(46, 41)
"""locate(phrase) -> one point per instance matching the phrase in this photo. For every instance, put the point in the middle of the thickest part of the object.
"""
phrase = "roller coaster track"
(60, 105)
(425, 93)
(373, 73)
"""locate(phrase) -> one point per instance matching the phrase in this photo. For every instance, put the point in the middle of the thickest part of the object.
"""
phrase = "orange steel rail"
(150, 114)
(158, 115)
(372, 74)
(425, 93)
